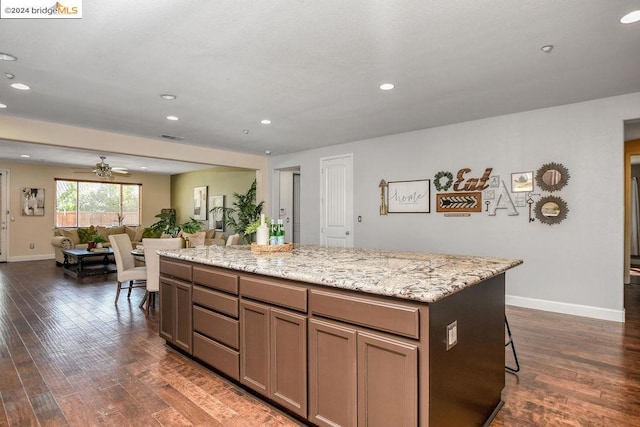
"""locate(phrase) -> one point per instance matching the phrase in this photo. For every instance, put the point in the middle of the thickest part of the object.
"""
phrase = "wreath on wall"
(439, 176)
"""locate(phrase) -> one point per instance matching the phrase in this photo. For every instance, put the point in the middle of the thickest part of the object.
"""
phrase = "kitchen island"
(345, 336)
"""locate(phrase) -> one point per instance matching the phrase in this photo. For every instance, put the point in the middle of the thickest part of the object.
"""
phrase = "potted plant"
(167, 224)
(244, 212)
(98, 240)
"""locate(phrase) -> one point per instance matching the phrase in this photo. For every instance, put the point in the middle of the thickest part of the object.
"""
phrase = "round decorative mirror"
(552, 177)
(551, 210)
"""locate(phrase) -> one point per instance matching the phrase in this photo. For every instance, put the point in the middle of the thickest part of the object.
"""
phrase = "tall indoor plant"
(244, 212)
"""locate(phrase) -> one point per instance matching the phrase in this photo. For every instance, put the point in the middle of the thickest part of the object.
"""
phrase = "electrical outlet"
(452, 334)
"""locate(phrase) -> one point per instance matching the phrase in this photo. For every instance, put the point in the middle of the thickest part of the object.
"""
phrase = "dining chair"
(234, 239)
(125, 264)
(152, 261)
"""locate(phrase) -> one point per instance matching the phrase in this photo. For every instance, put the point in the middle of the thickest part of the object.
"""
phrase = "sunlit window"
(85, 203)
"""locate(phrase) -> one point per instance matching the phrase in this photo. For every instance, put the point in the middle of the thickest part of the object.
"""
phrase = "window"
(85, 203)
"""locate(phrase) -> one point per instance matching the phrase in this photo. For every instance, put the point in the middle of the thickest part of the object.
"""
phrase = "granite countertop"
(425, 277)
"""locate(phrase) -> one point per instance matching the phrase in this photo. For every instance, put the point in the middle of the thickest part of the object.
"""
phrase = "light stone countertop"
(424, 277)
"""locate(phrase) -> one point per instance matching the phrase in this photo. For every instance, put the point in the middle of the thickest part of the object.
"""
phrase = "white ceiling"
(312, 67)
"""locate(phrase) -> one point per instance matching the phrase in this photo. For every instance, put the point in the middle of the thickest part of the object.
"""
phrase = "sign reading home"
(409, 196)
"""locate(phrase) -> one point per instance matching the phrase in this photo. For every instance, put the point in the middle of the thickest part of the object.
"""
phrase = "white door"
(336, 201)
(4, 199)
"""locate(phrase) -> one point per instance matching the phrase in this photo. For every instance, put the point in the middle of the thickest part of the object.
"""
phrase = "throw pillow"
(210, 233)
(195, 239)
(85, 234)
(149, 233)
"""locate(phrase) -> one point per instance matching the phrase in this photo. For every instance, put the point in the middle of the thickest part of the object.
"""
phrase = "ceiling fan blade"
(121, 172)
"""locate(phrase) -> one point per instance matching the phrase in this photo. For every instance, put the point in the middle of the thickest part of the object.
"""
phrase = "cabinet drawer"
(217, 301)
(216, 326)
(216, 279)
(277, 293)
(216, 355)
(177, 269)
(384, 316)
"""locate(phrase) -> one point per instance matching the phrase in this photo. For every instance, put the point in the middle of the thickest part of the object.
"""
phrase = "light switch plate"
(452, 334)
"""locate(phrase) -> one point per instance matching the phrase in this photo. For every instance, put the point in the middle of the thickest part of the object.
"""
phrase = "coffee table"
(83, 262)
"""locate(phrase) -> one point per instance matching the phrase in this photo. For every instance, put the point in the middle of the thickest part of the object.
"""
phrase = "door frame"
(631, 148)
(4, 214)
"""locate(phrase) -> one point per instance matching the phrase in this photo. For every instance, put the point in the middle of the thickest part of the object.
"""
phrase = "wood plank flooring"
(68, 356)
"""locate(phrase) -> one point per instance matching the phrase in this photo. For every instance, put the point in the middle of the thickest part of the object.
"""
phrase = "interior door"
(336, 201)
(4, 197)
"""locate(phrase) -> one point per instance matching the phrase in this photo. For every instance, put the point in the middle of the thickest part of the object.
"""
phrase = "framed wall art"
(522, 182)
(409, 196)
(32, 201)
(216, 219)
(200, 203)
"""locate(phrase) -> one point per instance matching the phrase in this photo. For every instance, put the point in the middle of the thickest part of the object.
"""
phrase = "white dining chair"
(152, 261)
(125, 264)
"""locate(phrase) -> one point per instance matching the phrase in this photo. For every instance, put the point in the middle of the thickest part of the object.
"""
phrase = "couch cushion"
(85, 234)
(107, 231)
(195, 239)
(210, 233)
(135, 233)
(71, 234)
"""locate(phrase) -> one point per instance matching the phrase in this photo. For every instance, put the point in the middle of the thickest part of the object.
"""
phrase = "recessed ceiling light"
(167, 96)
(2, 105)
(9, 76)
(26, 156)
(7, 57)
(547, 48)
(143, 167)
(174, 118)
(631, 17)
(246, 131)
(20, 86)
(267, 152)
(265, 121)
(387, 86)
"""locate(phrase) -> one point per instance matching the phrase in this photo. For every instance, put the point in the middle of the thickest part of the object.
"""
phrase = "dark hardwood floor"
(68, 356)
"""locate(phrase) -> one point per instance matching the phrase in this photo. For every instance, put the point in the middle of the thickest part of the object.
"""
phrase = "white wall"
(575, 267)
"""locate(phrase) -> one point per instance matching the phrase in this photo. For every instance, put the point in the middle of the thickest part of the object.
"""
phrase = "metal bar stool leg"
(513, 348)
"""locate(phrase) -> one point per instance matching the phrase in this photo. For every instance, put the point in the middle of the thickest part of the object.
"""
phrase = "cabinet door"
(254, 346)
(167, 310)
(332, 374)
(183, 315)
(289, 360)
(387, 381)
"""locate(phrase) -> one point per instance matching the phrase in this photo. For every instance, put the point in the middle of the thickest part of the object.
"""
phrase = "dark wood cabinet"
(176, 325)
(360, 378)
(216, 336)
(338, 357)
(273, 358)
(332, 374)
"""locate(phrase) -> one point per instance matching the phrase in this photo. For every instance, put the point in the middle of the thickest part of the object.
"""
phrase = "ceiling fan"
(103, 170)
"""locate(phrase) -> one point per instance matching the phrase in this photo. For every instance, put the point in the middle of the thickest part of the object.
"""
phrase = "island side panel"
(466, 381)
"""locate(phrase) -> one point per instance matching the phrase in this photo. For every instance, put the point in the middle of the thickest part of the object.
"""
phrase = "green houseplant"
(243, 214)
(167, 224)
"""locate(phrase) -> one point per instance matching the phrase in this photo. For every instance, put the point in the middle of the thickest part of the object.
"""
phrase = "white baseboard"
(31, 258)
(566, 308)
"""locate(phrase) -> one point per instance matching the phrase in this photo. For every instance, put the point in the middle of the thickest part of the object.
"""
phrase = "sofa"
(79, 238)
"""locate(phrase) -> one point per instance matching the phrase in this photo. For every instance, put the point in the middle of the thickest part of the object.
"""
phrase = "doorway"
(4, 209)
(288, 207)
(632, 216)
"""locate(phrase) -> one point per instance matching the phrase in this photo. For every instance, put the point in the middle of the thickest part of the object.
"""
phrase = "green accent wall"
(219, 181)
